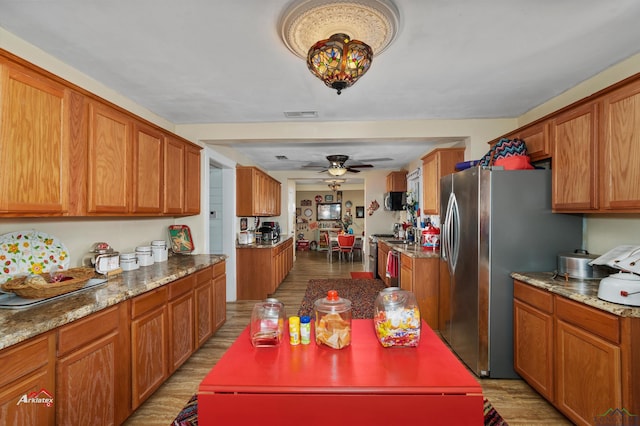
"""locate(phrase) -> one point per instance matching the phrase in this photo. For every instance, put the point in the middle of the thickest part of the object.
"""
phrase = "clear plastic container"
(397, 318)
(333, 321)
(267, 323)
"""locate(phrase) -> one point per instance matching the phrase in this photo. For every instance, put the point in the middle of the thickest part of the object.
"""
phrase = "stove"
(13, 301)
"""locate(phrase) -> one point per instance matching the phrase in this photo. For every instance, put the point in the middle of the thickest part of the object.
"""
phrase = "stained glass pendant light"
(339, 61)
(338, 38)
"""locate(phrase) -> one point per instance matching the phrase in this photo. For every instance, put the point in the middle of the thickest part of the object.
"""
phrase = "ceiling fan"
(338, 165)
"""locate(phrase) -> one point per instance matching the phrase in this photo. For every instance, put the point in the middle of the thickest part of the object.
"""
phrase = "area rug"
(362, 275)
(361, 293)
(189, 414)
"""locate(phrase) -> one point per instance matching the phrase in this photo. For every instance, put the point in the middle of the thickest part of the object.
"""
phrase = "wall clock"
(348, 204)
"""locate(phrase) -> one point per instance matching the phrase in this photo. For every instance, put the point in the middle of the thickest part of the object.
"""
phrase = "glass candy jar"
(267, 323)
(397, 318)
(333, 321)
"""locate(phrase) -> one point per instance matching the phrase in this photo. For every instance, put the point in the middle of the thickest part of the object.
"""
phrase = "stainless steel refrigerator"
(496, 222)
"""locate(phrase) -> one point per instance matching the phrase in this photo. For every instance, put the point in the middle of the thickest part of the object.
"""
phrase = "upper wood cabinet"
(181, 177)
(437, 163)
(148, 169)
(397, 181)
(574, 177)
(536, 138)
(34, 143)
(258, 194)
(109, 160)
(620, 150)
(192, 180)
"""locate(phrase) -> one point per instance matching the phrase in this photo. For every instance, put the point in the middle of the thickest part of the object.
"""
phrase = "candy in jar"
(397, 318)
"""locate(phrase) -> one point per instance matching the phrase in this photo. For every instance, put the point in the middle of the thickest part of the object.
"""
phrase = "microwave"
(394, 201)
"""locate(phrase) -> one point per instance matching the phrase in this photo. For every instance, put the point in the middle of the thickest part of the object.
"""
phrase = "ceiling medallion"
(339, 38)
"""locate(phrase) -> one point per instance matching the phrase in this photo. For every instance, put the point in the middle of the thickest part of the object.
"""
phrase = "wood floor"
(516, 402)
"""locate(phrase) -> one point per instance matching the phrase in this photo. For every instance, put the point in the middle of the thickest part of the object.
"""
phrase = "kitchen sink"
(396, 241)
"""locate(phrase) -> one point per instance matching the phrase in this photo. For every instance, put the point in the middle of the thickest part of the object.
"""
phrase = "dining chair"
(357, 248)
(345, 244)
(333, 247)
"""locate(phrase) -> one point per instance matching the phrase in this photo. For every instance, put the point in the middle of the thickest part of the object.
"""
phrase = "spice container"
(144, 255)
(333, 321)
(305, 329)
(397, 318)
(294, 330)
(128, 261)
(267, 323)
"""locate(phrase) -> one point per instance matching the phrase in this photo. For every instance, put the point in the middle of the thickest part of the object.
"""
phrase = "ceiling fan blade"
(359, 166)
(352, 170)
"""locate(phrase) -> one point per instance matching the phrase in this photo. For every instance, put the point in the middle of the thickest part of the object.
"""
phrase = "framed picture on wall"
(339, 196)
(298, 211)
(328, 198)
(359, 212)
(243, 223)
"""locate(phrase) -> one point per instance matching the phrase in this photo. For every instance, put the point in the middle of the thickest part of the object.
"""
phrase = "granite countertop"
(412, 250)
(584, 291)
(264, 245)
(17, 325)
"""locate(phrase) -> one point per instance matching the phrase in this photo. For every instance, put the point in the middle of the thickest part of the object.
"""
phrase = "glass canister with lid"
(397, 318)
(267, 323)
(333, 321)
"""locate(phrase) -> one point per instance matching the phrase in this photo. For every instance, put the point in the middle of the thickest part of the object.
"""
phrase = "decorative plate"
(348, 204)
(319, 198)
(31, 252)
(181, 241)
(308, 212)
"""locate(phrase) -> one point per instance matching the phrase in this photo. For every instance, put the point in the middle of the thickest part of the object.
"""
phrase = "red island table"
(362, 384)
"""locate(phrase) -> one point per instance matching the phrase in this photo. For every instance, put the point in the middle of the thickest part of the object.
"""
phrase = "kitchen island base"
(363, 383)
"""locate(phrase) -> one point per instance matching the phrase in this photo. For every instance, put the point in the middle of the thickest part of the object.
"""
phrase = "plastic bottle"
(294, 330)
(305, 329)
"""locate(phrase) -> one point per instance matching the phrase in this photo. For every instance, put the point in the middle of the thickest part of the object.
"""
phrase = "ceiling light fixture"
(337, 170)
(338, 38)
(334, 186)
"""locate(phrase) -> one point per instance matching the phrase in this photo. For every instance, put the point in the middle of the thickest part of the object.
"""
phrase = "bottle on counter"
(294, 330)
(305, 329)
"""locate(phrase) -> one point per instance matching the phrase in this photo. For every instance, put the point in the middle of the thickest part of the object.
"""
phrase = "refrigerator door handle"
(445, 250)
(454, 233)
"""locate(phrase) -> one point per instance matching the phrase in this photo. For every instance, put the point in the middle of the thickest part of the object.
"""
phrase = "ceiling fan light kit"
(338, 38)
(337, 170)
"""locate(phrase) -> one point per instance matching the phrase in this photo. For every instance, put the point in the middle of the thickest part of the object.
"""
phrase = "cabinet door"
(406, 273)
(34, 143)
(92, 371)
(148, 173)
(109, 163)
(397, 181)
(588, 374)
(430, 187)
(204, 300)
(149, 344)
(174, 154)
(426, 287)
(620, 155)
(181, 337)
(574, 172)
(536, 138)
(192, 180)
(533, 347)
(28, 368)
(220, 296)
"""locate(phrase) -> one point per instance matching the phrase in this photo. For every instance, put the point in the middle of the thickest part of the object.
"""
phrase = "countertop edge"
(263, 246)
(18, 325)
(580, 291)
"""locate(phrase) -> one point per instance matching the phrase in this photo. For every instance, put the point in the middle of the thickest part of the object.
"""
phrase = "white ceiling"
(222, 61)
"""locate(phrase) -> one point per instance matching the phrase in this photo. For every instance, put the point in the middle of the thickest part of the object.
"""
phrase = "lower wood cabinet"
(260, 270)
(100, 368)
(421, 276)
(92, 371)
(28, 368)
(149, 344)
(581, 359)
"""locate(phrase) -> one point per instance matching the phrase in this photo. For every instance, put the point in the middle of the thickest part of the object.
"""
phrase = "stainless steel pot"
(576, 265)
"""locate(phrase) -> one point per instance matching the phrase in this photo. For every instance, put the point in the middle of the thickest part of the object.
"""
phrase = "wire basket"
(62, 282)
